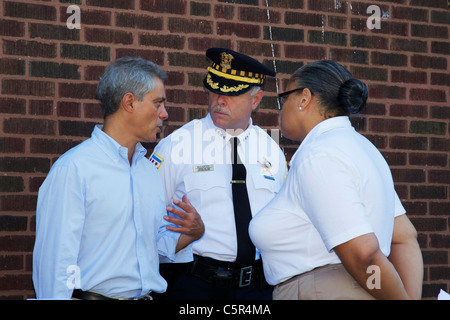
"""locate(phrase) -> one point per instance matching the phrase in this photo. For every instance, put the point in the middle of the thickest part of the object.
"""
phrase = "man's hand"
(189, 223)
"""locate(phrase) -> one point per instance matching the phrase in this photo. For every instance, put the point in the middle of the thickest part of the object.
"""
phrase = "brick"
(427, 95)
(200, 9)
(51, 146)
(12, 145)
(163, 41)
(266, 119)
(442, 79)
(204, 43)
(440, 241)
(12, 66)
(282, 66)
(368, 42)
(196, 113)
(305, 52)
(10, 184)
(17, 203)
(283, 34)
(427, 62)
(375, 74)
(173, 6)
(246, 2)
(84, 52)
(440, 47)
(389, 59)
(175, 78)
(304, 19)
(258, 15)
(12, 28)
(92, 110)
(327, 37)
(348, 55)
(47, 69)
(123, 4)
(28, 87)
(11, 262)
(29, 48)
(410, 14)
(239, 29)
(439, 176)
(129, 20)
(430, 3)
(29, 126)
(189, 97)
(287, 4)
(24, 164)
(155, 56)
(16, 282)
(108, 36)
(395, 158)
(439, 208)
(428, 192)
(89, 17)
(439, 273)
(35, 183)
(387, 125)
(409, 45)
(13, 106)
(75, 128)
(429, 224)
(387, 27)
(188, 60)
(93, 72)
(383, 92)
(29, 11)
(13, 223)
(77, 90)
(408, 76)
(428, 159)
(49, 31)
(429, 31)
(337, 22)
(442, 17)
(406, 110)
(41, 107)
(438, 112)
(408, 175)
(69, 109)
(224, 12)
(264, 49)
(408, 143)
(428, 127)
(439, 144)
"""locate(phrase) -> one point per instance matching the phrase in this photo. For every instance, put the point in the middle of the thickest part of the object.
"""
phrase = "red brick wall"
(48, 76)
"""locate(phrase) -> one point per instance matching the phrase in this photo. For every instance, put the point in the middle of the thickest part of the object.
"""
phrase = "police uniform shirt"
(196, 160)
(339, 187)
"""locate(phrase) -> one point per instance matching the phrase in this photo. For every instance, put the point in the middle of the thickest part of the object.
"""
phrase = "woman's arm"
(362, 252)
(406, 256)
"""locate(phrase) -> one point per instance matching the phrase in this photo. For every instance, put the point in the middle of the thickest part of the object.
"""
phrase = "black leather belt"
(224, 274)
(89, 295)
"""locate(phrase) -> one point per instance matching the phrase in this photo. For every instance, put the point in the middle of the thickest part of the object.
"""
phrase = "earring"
(300, 108)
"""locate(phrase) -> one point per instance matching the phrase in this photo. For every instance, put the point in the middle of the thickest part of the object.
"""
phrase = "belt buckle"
(245, 277)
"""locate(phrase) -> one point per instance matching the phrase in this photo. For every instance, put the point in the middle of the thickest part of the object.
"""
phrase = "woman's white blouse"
(339, 187)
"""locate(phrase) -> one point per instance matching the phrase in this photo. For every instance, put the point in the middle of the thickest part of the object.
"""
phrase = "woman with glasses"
(336, 229)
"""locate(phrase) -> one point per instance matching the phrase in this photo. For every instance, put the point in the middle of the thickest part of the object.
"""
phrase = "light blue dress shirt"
(99, 224)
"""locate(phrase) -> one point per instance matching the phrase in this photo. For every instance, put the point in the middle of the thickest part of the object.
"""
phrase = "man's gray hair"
(125, 75)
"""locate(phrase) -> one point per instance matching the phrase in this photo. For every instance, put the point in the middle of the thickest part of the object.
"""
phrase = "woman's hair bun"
(353, 96)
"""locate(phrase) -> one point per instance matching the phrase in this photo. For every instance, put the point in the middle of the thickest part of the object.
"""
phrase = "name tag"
(269, 177)
(203, 168)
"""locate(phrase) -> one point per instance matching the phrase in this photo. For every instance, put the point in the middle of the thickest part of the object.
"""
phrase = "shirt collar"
(224, 134)
(322, 127)
(112, 148)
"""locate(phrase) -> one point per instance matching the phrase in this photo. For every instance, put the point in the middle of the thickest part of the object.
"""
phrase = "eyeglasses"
(282, 97)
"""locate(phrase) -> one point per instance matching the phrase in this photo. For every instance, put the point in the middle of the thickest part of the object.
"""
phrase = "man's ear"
(127, 102)
(257, 97)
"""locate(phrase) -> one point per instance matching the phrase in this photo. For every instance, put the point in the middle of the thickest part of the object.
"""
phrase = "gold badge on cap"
(226, 59)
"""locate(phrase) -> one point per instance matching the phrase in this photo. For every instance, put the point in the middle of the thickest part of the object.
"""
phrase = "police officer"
(229, 169)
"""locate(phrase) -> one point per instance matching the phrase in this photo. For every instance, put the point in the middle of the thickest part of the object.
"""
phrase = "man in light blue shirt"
(101, 223)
